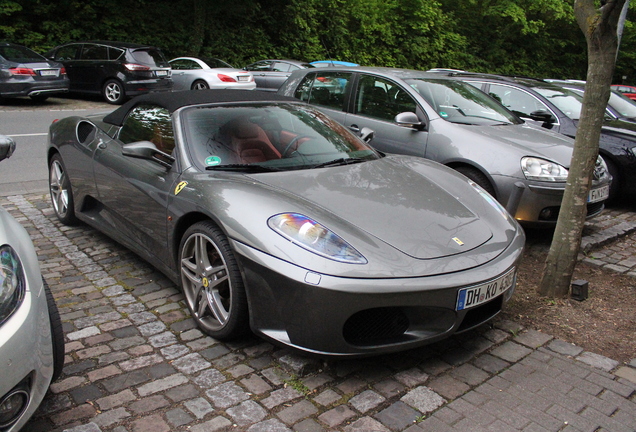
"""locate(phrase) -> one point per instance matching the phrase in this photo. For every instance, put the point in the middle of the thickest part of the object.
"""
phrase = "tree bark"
(600, 29)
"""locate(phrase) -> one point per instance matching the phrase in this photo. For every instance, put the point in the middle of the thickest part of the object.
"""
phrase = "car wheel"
(113, 92)
(57, 334)
(478, 177)
(212, 283)
(200, 85)
(39, 98)
(61, 191)
(615, 186)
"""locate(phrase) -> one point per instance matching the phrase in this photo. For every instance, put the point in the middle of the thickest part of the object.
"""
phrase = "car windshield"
(268, 136)
(150, 57)
(458, 102)
(622, 104)
(217, 64)
(20, 54)
(566, 100)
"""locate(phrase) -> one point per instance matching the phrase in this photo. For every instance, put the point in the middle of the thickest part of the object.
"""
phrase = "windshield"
(273, 136)
(20, 54)
(217, 64)
(151, 57)
(566, 100)
(458, 102)
(622, 104)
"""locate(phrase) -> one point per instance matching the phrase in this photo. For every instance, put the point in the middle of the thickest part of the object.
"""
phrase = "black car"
(23, 72)
(557, 108)
(116, 70)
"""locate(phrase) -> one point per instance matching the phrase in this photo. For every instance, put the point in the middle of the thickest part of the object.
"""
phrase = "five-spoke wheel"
(60, 191)
(212, 282)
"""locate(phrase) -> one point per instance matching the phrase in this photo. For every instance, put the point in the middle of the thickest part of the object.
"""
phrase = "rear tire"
(199, 85)
(61, 191)
(478, 177)
(113, 92)
(57, 334)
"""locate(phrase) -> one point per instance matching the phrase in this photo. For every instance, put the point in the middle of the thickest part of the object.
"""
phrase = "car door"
(260, 70)
(134, 192)
(183, 73)
(279, 72)
(68, 55)
(374, 103)
(327, 91)
(89, 69)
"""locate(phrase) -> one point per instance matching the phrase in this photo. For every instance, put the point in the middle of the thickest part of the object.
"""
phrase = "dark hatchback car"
(271, 74)
(116, 70)
(558, 109)
(23, 72)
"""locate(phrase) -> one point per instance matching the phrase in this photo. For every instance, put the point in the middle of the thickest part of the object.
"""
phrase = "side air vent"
(85, 132)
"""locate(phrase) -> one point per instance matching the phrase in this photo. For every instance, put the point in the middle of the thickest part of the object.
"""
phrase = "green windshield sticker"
(443, 114)
(212, 161)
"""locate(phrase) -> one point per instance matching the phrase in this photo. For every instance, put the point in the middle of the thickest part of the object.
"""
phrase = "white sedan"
(189, 73)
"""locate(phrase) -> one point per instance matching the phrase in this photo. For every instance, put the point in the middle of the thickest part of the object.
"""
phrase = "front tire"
(113, 92)
(478, 177)
(57, 333)
(200, 85)
(61, 191)
(212, 282)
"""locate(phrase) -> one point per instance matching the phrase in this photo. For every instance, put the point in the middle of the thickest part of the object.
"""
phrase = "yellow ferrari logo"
(458, 241)
(180, 187)
(206, 282)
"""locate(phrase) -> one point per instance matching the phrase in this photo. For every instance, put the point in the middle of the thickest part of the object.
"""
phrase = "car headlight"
(314, 237)
(544, 170)
(12, 282)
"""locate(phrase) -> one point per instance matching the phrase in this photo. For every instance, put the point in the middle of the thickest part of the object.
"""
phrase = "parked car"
(629, 91)
(271, 215)
(116, 70)
(444, 119)
(31, 337)
(332, 63)
(23, 72)
(270, 74)
(558, 109)
(189, 73)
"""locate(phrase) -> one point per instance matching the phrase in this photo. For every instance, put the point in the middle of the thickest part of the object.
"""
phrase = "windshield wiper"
(339, 162)
(248, 168)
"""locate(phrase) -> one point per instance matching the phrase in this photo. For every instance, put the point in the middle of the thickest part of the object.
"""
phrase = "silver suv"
(449, 121)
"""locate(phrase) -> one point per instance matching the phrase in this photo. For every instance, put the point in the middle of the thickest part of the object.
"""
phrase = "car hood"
(413, 213)
(529, 140)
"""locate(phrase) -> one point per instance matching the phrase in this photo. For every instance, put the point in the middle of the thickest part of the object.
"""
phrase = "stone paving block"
(114, 400)
(629, 373)
(89, 427)
(366, 401)
(397, 416)
(151, 423)
(314, 381)
(161, 384)
(209, 378)
(336, 416)
(200, 407)
(191, 363)
(178, 417)
(280, 396)
(148, 404)
(296, 412)
(216, 424)
(327, 397)
(469, 374)
(366, 424)
(80, 412)
(67, 384)
(423, 399)
(308, 425)
(597, 361)
(271, 425)
(246, 413)
(448, 387)
(511, 351)
(226, 395)
(532, 338)
(111, 417)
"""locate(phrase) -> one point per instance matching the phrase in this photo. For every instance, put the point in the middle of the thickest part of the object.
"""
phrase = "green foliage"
(523, 37)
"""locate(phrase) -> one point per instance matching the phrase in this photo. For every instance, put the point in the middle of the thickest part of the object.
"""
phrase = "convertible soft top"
(172, 101)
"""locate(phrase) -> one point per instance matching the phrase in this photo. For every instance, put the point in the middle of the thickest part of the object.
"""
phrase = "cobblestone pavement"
(136, 363)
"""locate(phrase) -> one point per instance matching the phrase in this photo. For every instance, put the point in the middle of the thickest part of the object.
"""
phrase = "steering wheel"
(292, 142)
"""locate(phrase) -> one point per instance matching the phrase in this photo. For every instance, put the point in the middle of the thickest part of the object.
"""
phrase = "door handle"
(354, 128)
(101, 146)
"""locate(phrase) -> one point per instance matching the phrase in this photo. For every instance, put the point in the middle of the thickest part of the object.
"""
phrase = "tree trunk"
(600, 29)
(198, 28)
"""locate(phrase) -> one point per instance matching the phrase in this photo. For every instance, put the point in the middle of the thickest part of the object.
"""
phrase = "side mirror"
(409, 119)
(149, 151)
(7, 147)
(543, 116)
(366, 134)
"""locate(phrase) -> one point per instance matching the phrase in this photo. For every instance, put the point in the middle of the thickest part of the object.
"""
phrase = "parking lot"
(135, 362)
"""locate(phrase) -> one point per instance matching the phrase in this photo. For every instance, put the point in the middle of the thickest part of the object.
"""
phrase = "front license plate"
(243, 78)
(48, 73)
(476, 295)
(162, 73)
(599, 194)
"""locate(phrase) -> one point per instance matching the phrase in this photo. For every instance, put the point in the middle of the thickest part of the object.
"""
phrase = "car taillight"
(226, 78)
(136, 67)
(63, 71)
(22, 71)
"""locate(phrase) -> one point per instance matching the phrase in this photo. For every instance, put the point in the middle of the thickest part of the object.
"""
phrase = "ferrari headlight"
(543, 170)
(314, 237)
(12, 283)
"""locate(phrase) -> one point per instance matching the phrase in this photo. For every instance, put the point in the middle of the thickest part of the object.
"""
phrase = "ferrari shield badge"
(458, 241)
(180, 187)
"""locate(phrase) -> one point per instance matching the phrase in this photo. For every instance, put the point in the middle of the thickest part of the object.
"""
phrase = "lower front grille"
(375, 326)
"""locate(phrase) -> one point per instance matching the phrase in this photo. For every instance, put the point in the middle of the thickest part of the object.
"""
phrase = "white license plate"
(48, 73)
(599, 194)
(162, 73)
(476, 295)
(243, 78)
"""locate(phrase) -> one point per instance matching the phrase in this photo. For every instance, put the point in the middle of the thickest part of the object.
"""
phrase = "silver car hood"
(397, 205)
(529, 140)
